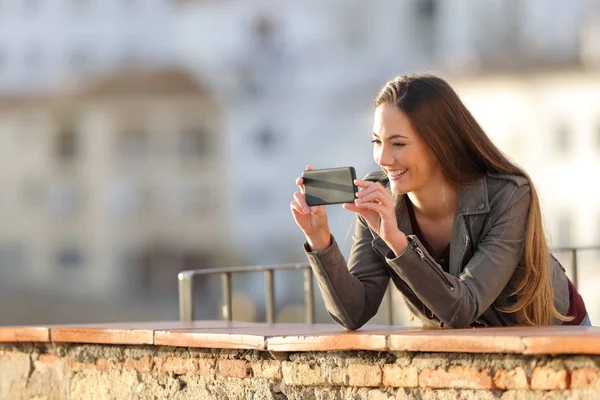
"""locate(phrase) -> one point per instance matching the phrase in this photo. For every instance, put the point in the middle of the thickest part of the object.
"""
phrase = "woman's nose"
(384, 156)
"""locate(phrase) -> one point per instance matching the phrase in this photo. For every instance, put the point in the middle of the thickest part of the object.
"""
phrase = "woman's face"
(401, 153)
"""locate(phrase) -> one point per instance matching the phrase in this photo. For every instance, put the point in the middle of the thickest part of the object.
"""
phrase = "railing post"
(389, 317)
(574, 261)
(226, 292)
(186, 301)
(270, 297)
(309, 301)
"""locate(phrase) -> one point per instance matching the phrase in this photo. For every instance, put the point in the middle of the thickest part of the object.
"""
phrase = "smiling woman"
(450, 219)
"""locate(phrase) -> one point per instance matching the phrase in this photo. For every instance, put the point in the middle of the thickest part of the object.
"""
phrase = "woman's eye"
(398, 144)
(376, 141)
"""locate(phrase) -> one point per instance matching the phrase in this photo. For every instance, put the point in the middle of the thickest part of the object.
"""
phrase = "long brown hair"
(465, 154)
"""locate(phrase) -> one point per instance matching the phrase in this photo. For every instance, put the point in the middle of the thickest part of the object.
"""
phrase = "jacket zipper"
(433, 266)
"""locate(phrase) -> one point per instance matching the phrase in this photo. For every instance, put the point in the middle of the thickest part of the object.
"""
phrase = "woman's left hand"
(376, 206)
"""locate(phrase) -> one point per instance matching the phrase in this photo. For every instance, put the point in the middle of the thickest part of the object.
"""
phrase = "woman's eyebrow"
(391, 136)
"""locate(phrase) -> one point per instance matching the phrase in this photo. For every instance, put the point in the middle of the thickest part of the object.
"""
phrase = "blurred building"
(297, 79)
(49, 44)
(549, 123)
(114, 188)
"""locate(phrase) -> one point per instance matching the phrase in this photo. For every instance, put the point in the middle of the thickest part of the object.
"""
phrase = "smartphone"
(329, 186)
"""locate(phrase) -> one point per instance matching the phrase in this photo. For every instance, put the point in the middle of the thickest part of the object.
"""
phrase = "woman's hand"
(311, 220)
(376, 206)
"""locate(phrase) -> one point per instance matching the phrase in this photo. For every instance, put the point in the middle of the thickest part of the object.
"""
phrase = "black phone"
(329, 186)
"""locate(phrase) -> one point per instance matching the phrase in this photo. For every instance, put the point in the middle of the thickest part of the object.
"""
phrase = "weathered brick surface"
(207, 366)
(176, 365)
(301, 374)
(397, 376)
(45, 361)
(336, 375)
(76, 366)
(511, 379)
(364, 375)
(270, 369)
(234, 368)
(104, 365)
(585, 378)
(546, 378)
(456, 377)
(142, 364)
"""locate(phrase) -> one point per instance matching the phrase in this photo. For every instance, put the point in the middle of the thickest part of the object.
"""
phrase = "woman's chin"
(398, 188)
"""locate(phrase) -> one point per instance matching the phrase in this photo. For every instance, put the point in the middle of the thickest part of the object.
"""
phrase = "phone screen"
(329, 186)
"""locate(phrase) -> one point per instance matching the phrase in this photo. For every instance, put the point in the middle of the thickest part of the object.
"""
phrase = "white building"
(46, 45)
(114, 189)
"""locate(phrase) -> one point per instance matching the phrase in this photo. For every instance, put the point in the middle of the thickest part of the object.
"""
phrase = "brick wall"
(63, 371)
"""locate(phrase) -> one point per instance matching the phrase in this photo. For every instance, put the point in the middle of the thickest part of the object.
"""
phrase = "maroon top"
(443, 259)
(576, 304)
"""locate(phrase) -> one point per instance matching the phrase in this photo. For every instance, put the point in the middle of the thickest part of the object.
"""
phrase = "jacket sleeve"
(352, 292)
(457, 302)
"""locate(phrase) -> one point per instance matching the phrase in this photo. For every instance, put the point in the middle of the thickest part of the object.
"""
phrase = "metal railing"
(186, 285)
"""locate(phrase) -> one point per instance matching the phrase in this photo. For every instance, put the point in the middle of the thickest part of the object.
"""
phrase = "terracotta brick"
(364, 375)
(511, 379)
(456, 377)
(301, 374)
(270, 369)
(76, 366)
(546, 378)
(234, 368)
(206, 366)
(45, 361)
(176, 365)
(104, 365)
(585, 378)
(398, 376)
(142, 364)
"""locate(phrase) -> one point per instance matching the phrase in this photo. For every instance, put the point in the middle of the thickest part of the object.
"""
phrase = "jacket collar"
(473, 200)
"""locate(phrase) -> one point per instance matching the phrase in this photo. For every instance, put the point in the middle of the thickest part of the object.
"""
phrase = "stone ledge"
(70, 370)
(287, 337)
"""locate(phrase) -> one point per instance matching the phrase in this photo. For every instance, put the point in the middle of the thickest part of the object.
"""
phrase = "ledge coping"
(292, 337)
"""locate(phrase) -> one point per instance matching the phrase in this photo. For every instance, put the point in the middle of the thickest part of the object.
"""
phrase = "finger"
(300, 184)
(299, 198)
(296, 208)
(363, 184)
(309, 168)
(352, 207)
(383, 198)
(317, 210)
(378, 208)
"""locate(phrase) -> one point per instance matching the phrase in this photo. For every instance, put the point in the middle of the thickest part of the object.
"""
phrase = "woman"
(450, 219)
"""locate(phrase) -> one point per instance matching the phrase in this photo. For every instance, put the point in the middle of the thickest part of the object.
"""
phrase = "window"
(129, 198)
(265, 140)
(69, 256)
(65, 147)
(426, 12)
(194, 142)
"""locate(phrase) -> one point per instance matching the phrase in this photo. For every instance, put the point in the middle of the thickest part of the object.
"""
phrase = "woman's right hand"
(311, 220)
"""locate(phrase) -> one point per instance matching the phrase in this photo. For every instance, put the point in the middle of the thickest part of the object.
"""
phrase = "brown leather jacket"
(486, 253)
